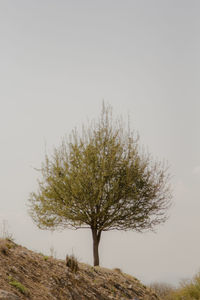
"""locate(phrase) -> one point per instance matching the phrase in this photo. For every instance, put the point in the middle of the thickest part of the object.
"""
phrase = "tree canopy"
(102, 180)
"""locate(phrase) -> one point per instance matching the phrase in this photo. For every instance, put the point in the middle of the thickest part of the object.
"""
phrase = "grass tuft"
(72, 263)
(19, 286)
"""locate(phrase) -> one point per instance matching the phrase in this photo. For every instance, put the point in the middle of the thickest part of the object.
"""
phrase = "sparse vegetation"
(6, 245)
(72, 263)
(45, 257)
(10, 244)
(162, 289)
(187, 289)
(4, 249)
(5, 233)
(27, 275)
(18, 285)
(117, 270)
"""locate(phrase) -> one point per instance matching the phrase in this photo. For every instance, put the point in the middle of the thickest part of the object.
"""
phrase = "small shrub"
(162, 289)
(118, 270)
(4, 250)
(45, 257)
(9, 246)
(10, 239)
(189, 290)
(72, 263)
(5, 246)
(92, 269)
(18, 286)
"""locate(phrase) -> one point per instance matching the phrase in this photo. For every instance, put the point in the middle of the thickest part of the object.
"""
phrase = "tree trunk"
(96, 239)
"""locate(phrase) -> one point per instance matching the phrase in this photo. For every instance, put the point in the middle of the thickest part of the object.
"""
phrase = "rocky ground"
(25, 274)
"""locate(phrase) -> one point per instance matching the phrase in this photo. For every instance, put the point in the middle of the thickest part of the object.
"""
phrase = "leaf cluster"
(102, 180)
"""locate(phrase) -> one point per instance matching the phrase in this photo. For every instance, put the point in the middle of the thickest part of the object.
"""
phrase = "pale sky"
(58, 61)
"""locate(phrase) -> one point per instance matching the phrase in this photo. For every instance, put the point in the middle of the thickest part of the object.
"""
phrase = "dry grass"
(30, 276)
(72, 263)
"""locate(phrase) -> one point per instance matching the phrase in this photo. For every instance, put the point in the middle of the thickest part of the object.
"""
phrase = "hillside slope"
(25, 274)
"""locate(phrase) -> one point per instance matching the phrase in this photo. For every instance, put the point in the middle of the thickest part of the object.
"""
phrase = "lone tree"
(101, 180)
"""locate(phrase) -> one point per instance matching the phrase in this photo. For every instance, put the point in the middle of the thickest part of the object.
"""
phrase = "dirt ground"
(34, 276)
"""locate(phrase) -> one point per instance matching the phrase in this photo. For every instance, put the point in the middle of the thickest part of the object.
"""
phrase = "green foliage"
(18, 285)
(72, 263)
(101, 180)
(45, 257)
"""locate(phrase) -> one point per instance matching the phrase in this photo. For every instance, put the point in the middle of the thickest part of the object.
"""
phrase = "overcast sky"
(58, 61)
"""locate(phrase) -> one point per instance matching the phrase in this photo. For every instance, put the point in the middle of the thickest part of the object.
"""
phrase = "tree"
(101, 180)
